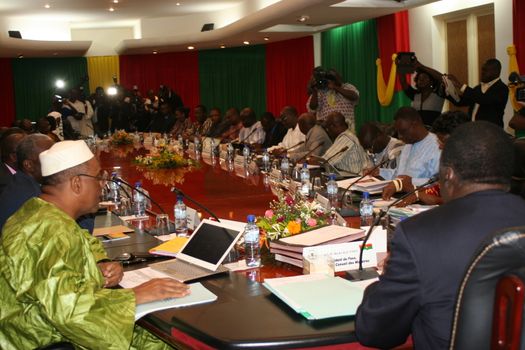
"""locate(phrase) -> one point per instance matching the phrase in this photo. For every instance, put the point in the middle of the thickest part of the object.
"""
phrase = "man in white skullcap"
(51, 287)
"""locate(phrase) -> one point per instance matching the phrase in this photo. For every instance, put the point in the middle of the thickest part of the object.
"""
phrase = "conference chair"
(489, 308)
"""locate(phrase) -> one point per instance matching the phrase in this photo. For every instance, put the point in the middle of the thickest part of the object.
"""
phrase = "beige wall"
(104, 40)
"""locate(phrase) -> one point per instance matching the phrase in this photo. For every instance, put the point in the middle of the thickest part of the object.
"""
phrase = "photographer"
(329, 94)
(427, 96)
(517, 122)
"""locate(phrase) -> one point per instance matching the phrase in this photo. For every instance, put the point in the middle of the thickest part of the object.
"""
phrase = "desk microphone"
(342, 150)
(247, 137)
(133, 188)
(310, 152)
(365, 175)
(177, 191)
(292, 147)
(370, 272)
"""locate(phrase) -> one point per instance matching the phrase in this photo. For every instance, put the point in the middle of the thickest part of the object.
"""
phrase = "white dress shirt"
(293, 137)
(252, 134)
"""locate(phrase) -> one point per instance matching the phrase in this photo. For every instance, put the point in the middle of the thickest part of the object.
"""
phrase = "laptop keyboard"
(183, 271)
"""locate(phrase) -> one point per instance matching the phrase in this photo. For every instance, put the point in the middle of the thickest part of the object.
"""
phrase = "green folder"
(320, 298)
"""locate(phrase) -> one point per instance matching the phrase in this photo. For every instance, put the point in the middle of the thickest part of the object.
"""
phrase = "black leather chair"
(501, 255)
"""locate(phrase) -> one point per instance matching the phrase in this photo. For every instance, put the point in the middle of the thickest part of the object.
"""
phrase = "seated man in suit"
(317, 141)
(8, 143)
(487, 100)
(346, 153)
(430, 251)
(52, 287)
(274, 130)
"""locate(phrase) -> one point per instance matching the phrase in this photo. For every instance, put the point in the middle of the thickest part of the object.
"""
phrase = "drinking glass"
(162, 225)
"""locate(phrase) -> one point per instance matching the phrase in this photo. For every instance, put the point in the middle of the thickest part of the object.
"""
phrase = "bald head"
(306, 122)
(335, 124)
(27, 154)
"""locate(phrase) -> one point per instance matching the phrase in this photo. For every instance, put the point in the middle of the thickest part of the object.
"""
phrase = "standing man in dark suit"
(487, 100)
(430, 252)
(8, 165)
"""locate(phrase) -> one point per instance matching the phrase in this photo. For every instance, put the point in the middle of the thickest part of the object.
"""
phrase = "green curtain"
(34, 81)
(352, 50)
(233, 77)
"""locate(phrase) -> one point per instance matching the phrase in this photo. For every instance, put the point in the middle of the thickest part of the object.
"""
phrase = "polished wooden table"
(246, 315)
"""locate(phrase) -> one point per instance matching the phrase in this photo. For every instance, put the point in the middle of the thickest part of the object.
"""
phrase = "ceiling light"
(303, 18)
(178, 4)
(155, 52)
(223, 46)
(47, 6)
(246, 42)
(266, 38)
(111, 9)
(20, 56)
(115, 1)
(190, 47)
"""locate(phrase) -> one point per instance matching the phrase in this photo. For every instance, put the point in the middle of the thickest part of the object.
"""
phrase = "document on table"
(317, 296)
(198, 293)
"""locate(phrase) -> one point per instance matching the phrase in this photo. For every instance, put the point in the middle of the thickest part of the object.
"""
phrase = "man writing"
(51, 288)
(430, 251)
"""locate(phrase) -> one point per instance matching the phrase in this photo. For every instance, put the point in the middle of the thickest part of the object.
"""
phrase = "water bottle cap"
(138, 184)
(179, 198)
(331, 176)
(305, 165)
(251, 218)
(365, 195)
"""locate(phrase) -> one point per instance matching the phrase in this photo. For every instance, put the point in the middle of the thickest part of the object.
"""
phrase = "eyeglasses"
(102, 178)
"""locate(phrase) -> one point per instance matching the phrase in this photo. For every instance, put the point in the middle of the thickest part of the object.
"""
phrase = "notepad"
(317, 296)
(170, 248)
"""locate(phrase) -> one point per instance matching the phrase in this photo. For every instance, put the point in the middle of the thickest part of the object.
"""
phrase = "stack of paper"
(290, 249)
(198, 293)
(317, 296)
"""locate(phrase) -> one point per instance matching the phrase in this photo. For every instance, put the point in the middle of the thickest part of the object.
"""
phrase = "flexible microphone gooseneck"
(363, 176)
(292, 147)
(247, 137)
(141, 192)
(370, 272)
(310, 152)
(177, 191)
(342, 150)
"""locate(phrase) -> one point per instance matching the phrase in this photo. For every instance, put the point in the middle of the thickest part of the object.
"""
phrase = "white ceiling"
(163, 26)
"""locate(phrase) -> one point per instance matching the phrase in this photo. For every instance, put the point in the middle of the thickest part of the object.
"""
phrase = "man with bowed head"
(51, 288)
(429, 252)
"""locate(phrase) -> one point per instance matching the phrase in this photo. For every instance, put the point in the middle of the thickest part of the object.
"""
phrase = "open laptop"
(203, 253)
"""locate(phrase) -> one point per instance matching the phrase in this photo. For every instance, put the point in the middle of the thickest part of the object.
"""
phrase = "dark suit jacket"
(428, 258)
(5, 176)
(491, 103)
(275, 135)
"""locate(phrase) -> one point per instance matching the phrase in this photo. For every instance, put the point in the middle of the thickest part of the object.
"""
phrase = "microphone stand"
(176, 190)
(310, 152)
(292, 147)
(370, 272)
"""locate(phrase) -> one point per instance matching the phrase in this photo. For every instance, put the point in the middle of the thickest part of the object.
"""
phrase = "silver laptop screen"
(209, 243)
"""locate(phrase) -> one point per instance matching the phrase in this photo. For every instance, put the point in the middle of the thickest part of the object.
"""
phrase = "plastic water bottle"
(285, 167)
(230, 152)
(139, 201)
(114, 186)
(252, 248)
(366, 209)
(266, 160)
(212, 148)
(181, 226)
(246, 154)
(181, 141)
(197, 144)
(332, 188)
(305, 180)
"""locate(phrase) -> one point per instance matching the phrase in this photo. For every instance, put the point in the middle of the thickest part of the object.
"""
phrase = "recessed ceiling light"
(246, 42)
(155, 52)
(47, 6)
(266, 38)
(303, 18)
(178, 4)
(111, 9)
(115, 1)
(190, 47)
(223, 46)
(20, 55)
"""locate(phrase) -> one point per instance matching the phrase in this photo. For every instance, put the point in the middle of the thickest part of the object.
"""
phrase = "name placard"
(323, 201)
(345, 256)
(192, 218)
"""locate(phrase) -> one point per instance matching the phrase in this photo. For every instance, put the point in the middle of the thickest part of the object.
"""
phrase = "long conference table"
(245, 315)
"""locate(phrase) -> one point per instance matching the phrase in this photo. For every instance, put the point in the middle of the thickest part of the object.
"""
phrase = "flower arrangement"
(291, 215)
(121, 137)
(163, 158)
